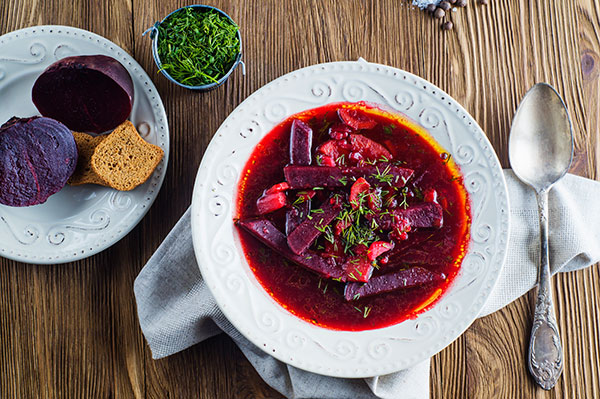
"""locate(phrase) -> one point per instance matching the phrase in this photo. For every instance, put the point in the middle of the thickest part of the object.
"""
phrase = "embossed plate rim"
(265, 323)
(63, 38)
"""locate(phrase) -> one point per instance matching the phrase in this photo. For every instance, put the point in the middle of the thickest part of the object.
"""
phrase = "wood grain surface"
(71, 331)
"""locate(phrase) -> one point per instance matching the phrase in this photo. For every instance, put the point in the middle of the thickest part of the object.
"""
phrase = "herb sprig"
(358, 230)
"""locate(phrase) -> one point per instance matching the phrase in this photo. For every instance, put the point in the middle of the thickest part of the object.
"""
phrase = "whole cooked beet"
(90, 93)
(37, 157)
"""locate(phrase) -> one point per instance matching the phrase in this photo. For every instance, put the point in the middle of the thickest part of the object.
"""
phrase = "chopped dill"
(404, 202)
(388, 129)
(358, 229)
(299, 200)
(365, 311)
(197, 47)
(326, 230)
(385, 176)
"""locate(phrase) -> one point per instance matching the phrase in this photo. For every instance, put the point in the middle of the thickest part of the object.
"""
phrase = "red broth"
(320, 301)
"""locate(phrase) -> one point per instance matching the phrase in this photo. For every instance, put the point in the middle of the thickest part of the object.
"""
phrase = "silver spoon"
(540, 149)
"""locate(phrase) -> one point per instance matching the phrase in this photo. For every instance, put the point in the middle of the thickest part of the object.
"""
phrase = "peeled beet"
(37, 157)
(90, 93)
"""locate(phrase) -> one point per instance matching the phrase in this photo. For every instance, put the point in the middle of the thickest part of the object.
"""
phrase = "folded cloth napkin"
(176, 309)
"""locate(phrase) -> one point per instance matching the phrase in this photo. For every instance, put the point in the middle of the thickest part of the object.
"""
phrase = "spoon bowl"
(540, 147)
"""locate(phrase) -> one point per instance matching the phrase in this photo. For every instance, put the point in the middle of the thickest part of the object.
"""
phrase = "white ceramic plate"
(269, 326)
(77, 222)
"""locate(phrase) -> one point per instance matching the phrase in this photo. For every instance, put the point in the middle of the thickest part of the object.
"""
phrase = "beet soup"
(352, 217)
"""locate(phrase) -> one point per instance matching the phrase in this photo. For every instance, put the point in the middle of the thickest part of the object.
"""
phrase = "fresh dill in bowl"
(197, 46)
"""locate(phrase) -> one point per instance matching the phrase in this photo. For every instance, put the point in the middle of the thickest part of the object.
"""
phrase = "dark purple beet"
(424, 215)
(307, 232)
(375, 174)
(37, 157)
(268, 234)
(299, 177)
(406, 278)
(91, 93)
(296, 215)
(300, 143)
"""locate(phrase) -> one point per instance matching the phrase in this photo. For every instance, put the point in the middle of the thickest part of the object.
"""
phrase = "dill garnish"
(385, 176)
(365, 311)
(358, 230)
(197, 47)
(404, 203)
(326, 230)
(299, 200)
(387, 129)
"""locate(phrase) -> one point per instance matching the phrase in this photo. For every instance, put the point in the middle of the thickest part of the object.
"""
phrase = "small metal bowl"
(154, 36)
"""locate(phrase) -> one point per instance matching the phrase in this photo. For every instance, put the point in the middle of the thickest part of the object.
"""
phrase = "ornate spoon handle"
(545, 358)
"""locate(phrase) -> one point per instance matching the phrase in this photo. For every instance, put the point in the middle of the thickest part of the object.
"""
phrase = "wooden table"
(72, 330)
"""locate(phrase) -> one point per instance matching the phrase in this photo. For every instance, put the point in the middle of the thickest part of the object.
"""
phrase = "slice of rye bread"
(124, 160)
(86, 144)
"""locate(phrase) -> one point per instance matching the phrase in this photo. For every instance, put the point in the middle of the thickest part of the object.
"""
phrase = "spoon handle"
(545, 358)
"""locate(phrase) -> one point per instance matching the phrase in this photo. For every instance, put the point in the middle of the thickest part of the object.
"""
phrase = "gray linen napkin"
(176, 309)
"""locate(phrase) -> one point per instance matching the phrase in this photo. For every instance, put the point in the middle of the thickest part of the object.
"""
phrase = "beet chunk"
(380, 175)
(92, 93)
(307, 232)
(37, 157)
(268, 234)
(406, 278)
(341, 150)
(296, 215)
(300, 143)
(313, 176)
(426, 214)
(358, 268)
(271, 202)
(299, 177)
(355, 119)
